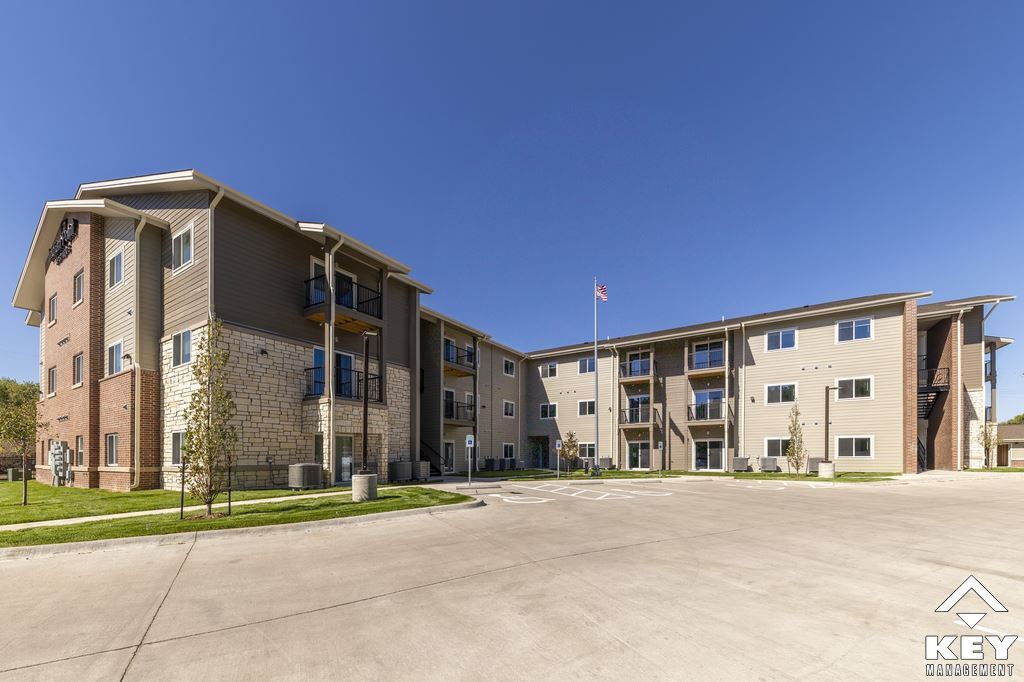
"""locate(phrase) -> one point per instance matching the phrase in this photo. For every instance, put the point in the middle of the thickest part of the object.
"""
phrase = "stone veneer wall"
(177, 387)
(974, 418)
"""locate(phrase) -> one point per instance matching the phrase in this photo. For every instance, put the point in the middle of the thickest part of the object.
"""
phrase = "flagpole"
(597, 391)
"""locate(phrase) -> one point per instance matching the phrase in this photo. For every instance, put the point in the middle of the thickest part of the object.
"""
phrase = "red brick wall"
(942, 340)
(150, 435)
(117, 403)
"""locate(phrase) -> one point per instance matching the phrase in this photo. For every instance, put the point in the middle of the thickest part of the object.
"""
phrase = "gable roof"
(1010, 432)
(955, 305)
(723, 324)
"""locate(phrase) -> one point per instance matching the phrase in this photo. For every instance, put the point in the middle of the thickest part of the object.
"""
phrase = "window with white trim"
(78, 288)
(181, 249)
(52, 309)
(508, 450)
(112, 441)
(780, 339)
(181, 348)
(586, 365)
(115, 269)
(508, 367)
(855, 446)
(51, 381)
(776, 447)
(115, 358)
(779, 394)
(853, 330)
(588, 450)
(177, 443)
(77, 369)
(79, 450)
(508, 408)
(549, 369)
(854, 389)
(586, 408)
(548, 410)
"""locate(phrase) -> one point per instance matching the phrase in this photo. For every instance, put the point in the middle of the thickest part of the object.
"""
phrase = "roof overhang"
(435, 316)
(30, 290)
(409, 281)
(998, 341)
(946, 308)
(355, 245)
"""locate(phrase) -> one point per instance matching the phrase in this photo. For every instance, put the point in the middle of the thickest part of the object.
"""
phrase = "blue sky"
(704, 159)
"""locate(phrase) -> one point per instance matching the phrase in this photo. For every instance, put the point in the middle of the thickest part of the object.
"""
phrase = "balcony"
(988, 370)
(635, 370)
(936, 378)
(459, 362)
(706, 361)
(459, 413)
(348, 383)
(637, 417)
(357, 308)
(714, 411)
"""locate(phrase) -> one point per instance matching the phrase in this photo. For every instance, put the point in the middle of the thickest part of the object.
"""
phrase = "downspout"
(613, 403)
(742, 411)
(329, 360)
(137, 370)
(959, 393)
(520, 406)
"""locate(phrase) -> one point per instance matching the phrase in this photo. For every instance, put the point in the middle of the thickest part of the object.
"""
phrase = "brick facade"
(910, 387)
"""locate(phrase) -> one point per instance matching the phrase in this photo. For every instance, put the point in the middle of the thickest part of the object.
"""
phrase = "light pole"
(364, 484)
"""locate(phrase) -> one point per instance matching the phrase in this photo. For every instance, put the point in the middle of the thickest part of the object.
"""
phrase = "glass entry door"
(342, 459)
(708, 403)
(707, 455)
(640, 454)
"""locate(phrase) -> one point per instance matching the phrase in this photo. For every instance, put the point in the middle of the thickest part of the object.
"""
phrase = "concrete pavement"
(686, 578)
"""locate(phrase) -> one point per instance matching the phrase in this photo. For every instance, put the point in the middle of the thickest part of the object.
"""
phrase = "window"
(114, 358)
(508, 450)
(177, 441)
(587, 450)
(780, 339)
(853, 330)
(548, 410)
(776, 447)
(51, 381)
(77, 366)
(52, 309)
(549, 369)
(79, 451)
(78, 288)
(855, 446)
(470, 354)
(181, 249)
(508, 367)
(586, 365)
(852, 389)
(450, 352)
(586, 407)
(508, 408)
(115, 270)
(776, 394)
(112, 449)
(182, 352)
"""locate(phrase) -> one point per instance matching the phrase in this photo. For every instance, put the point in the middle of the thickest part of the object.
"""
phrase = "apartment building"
(122, 281)
(908, 388)
(471, 386)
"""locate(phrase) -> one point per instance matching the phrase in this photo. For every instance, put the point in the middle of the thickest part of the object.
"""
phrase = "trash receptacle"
(14, 474)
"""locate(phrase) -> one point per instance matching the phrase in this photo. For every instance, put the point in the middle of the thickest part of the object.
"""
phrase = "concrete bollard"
(364, 487)
(827, 470)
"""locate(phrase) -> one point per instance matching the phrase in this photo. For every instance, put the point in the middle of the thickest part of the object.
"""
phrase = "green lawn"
(292, 511)
(46, 502)
(1002, 470)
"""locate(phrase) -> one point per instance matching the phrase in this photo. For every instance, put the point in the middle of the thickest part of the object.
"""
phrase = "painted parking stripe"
(643, 493)
(582, 493)
(522, 499)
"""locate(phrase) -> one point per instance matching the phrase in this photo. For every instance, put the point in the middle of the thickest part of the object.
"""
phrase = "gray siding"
(972, 356)
(400, 314)
(150, 311)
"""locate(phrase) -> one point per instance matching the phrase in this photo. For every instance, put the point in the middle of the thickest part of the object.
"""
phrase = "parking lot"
(683, 578)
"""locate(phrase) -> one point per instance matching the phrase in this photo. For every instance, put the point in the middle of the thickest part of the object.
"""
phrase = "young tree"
(987, 439)
(209, 435)
(1019, 419)
(19, 424)
(795, 452)
(571, 450)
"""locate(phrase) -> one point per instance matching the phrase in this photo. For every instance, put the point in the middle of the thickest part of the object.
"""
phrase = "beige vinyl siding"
(817, 362)
(672, 394)
(567, 389)
(185, 293)
(119, 302)
(972, 356)
(494, 428)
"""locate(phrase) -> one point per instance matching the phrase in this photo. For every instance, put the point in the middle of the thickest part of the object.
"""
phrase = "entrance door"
(539, 447)
(342, 459)
(343, 289)
(707, 455)
(448, 456)
(640, 454)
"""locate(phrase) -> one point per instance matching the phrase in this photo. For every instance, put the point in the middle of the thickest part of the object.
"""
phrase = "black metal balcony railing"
(988, 413)
(936, 377)
(637, 415)
(988, 369)
(348, 383)
(458, 356)
(709, 411)
(459, 411)
(706, 359)
(636, 368)
(347, 294)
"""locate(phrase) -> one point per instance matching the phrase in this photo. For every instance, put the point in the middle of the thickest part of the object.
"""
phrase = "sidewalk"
(151, 512)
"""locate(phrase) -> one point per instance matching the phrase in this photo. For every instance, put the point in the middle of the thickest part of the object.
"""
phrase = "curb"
(39, 551)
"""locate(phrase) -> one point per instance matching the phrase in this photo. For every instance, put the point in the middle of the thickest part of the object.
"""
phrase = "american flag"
(602, 292)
